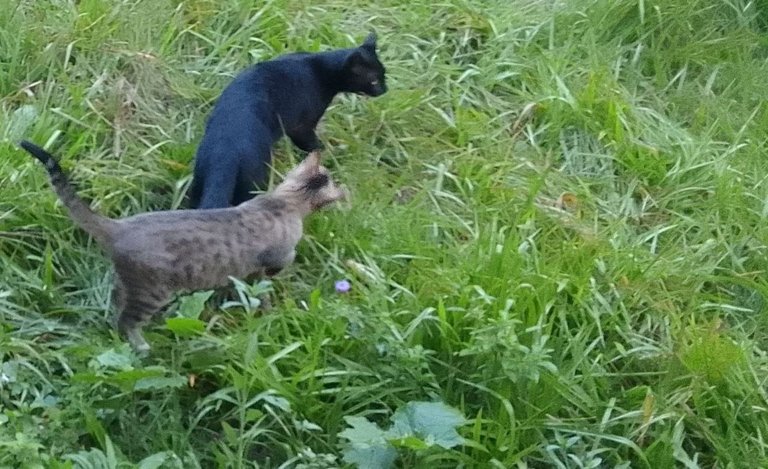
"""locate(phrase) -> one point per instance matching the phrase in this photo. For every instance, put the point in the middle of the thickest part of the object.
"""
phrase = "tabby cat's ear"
(313, 160)
(308, 167)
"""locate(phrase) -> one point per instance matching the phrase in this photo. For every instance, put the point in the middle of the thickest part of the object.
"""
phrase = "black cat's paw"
(317, 145)
(306, 142)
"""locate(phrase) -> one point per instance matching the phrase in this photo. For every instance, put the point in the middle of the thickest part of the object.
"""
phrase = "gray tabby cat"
(157, 254)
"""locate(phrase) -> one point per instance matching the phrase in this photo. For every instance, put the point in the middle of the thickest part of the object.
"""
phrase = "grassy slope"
(627, 327)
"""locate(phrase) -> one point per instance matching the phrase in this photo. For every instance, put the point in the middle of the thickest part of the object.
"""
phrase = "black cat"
(287, 94)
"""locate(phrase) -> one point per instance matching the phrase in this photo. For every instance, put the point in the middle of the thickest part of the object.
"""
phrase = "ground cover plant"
(555, 246)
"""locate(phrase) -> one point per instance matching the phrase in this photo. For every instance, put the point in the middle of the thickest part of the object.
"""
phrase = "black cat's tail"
(98, 226)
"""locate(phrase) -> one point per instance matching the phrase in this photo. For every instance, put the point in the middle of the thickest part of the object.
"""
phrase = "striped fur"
(158, 254)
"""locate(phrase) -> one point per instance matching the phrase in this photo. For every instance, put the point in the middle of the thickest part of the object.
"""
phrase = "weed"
(557, 232)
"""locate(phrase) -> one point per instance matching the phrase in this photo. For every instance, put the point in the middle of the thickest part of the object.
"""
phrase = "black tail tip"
(35, 151)
(29, 146)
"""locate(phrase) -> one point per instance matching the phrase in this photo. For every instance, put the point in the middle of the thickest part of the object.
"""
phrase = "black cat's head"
(364, 73)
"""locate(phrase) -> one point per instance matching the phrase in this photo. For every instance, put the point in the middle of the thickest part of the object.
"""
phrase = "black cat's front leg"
(306, 140)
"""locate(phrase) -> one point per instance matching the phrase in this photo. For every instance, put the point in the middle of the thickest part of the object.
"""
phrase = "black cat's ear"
(355, 62)
(370, 41)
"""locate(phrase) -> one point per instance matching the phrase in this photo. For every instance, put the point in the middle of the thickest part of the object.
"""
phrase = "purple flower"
(342, 286)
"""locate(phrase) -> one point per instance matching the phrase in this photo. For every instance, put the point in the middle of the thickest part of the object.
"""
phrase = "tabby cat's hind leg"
(139, 308)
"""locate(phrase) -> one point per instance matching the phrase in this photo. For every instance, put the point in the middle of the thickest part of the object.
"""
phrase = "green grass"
(557, 228)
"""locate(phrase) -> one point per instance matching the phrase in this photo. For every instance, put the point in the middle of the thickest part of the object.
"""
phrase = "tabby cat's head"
(310, 185)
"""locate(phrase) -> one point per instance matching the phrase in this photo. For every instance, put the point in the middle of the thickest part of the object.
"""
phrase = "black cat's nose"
(379, 90)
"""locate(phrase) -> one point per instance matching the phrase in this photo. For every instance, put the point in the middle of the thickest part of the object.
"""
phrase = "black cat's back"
(237, 130)
(286, 95)
(262, 103)
(297, 89)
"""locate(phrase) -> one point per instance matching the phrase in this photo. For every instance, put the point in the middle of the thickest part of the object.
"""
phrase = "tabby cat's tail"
(98, 226)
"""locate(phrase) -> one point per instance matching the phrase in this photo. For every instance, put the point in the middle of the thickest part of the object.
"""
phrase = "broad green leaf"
(185, 327)
(314, 299)
(21, 120)
(433, 422)
(131, 376)
(139, 373)
(230, 433)
(151, 377)
(409, 442)
(277, 401)
(307, 425)
(191, 306)
(368, 447)
(713, 356)
(160, 383)
(155, 461)
(8, 372)
(118, 360)
(362, 431)
(110, 452)
(93, 458)
(251, 415)
(371, 457)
